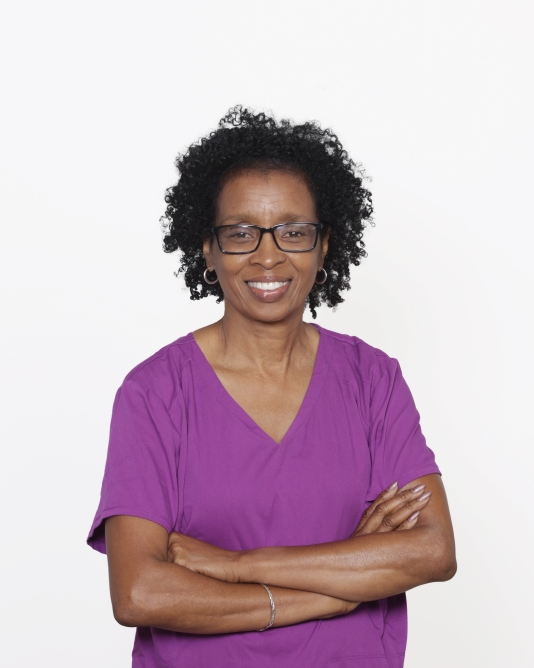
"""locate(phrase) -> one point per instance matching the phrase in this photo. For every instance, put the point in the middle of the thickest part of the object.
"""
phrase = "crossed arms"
(178, 583)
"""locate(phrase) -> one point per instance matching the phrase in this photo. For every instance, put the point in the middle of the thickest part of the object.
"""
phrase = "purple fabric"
(184, 454)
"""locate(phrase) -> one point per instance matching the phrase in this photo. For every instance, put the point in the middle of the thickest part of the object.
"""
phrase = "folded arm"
(182, 584)
(148, 590)
(364, 567)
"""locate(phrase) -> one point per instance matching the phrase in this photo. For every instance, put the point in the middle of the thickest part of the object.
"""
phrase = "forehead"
(265, 195)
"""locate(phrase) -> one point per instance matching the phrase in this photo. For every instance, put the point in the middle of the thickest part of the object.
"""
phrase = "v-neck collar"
(320, 370)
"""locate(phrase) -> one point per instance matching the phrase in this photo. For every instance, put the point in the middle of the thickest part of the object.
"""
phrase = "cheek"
(228, 269)
(307, 268)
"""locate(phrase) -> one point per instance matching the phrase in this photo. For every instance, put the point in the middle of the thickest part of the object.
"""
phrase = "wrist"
(242, 567)
(350, 606)
(338, 607)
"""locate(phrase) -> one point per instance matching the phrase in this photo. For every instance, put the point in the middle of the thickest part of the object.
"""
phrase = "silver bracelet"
(273, 608)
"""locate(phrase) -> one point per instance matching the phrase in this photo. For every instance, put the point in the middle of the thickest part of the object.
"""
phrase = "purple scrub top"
(184, 454)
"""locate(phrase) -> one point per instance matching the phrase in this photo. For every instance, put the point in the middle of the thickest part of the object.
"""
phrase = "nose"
(267, 254)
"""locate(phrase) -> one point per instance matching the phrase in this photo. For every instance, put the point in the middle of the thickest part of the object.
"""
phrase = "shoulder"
(353, 357)
(162, 372)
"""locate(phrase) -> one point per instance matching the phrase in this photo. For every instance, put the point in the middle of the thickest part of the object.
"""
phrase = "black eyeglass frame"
(215, 230)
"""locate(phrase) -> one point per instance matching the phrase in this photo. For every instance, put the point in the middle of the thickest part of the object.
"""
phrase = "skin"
(264, 354)
(262, 340)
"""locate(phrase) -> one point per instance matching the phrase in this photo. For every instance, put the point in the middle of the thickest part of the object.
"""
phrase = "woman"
(263, 473)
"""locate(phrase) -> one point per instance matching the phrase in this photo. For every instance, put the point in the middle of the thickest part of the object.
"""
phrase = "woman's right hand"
(393, 510)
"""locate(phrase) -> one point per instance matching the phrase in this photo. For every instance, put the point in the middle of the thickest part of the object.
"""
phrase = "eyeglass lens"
(246, 238)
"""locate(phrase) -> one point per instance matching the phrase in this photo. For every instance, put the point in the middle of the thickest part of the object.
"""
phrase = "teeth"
(274, 285)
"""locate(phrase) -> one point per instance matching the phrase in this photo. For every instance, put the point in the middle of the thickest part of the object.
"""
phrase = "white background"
(435, 99)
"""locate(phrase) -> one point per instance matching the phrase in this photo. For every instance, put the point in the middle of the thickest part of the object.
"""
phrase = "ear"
(206, 249)
(324, 245)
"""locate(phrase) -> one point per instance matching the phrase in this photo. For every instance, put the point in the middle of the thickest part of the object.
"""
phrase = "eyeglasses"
(288, 237)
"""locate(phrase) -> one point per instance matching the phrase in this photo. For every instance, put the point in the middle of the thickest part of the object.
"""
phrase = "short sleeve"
(397, 445)
(140, 477)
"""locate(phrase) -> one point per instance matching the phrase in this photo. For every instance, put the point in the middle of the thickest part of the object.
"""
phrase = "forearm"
(174, 598)
(364, 568)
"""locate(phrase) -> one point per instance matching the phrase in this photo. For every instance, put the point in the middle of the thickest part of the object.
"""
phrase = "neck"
(265, 345)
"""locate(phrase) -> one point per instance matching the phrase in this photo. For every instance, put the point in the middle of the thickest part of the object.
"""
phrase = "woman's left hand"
(203, 558)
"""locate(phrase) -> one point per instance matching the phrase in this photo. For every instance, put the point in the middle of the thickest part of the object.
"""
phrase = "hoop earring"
(206, 277)
(324, 279)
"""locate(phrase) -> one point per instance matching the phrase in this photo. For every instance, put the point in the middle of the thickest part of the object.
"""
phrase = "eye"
(297, 231)
(237, 234)
(240, 234)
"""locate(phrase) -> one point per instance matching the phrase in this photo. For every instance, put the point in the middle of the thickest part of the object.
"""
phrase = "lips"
(271, 285)
(269, 288)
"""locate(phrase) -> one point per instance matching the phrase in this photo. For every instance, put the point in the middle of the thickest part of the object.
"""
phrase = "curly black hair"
(245, 140)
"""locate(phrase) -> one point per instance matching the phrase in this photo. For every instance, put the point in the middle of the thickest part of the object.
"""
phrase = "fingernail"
(418, 489)
(424, 497)
(413, 517)
(392, 486)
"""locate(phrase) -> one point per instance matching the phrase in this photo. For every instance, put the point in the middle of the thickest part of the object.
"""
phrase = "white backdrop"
(435, 99)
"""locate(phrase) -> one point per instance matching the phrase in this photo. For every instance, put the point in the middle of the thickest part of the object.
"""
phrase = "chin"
(270, 313)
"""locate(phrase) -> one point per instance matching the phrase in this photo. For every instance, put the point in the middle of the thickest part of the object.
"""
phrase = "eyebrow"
(287, 218)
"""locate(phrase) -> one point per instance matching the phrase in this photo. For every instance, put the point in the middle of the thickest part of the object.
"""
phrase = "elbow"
(446, 569)
(443, 560)
(130, 608)
(125, 612)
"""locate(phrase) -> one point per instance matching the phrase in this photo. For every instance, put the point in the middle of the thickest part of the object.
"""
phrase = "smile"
(269, 291)
(274, 285)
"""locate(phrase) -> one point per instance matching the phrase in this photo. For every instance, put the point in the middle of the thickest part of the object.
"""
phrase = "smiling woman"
(263, 472)
(245, 141)
(289, 257)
